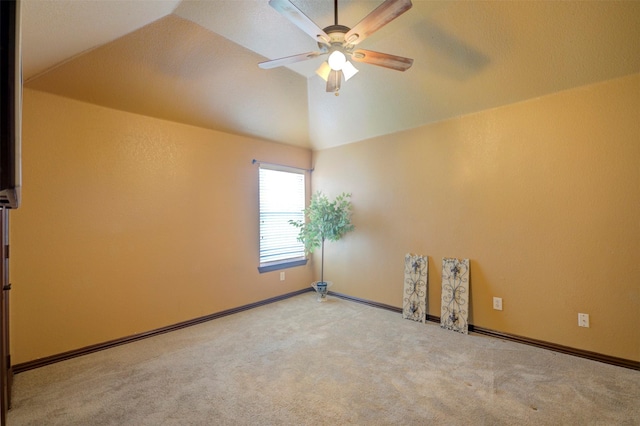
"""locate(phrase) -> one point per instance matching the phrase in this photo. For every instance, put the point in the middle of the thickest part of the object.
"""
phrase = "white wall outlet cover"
(583, 320)
(497, 303)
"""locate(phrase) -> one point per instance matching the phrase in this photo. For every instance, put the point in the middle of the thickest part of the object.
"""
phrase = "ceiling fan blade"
(393, 62)
(289, 60)
(302, 21)
(381, 16)
(334, 80)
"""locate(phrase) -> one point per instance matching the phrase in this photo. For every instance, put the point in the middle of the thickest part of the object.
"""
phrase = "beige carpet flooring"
(300, 362)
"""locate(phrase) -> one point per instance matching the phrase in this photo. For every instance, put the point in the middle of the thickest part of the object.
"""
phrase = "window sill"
(284, 264)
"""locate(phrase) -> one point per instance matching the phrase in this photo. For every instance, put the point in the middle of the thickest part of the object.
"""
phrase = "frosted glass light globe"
(336, 60)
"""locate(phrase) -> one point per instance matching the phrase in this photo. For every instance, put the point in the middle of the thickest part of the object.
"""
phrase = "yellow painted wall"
(131, 223)
(542, 196)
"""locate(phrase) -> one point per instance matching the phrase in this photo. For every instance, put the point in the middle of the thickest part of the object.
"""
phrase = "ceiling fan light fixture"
(323, 71)
(348, 70)
(336, 60)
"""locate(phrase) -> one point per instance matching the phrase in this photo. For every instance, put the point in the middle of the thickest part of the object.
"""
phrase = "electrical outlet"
(583, 320)
(281, 276)
(497, 303)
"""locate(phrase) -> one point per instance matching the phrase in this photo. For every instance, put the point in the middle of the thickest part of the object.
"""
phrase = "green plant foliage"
(326, 220)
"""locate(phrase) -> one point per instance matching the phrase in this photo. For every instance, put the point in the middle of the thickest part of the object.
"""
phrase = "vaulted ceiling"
(196, 62)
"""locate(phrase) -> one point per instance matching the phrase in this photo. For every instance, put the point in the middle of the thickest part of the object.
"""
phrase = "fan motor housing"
(336, 33)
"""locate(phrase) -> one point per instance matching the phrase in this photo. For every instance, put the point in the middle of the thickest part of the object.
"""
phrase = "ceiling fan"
(339, 42)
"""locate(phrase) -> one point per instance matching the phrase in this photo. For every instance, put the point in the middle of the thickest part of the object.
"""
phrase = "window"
(282, 198)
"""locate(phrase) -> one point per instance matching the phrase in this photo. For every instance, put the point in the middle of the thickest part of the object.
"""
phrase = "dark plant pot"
(322, 288)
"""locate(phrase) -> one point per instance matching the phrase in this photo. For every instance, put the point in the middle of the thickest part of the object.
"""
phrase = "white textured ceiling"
(196, 61)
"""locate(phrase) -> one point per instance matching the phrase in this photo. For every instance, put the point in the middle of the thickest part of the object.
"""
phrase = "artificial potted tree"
(325, 220)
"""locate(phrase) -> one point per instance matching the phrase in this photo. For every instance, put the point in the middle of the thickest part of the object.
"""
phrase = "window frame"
(292, 261)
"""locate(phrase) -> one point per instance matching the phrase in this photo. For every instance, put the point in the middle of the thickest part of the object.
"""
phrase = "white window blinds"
(282, 198)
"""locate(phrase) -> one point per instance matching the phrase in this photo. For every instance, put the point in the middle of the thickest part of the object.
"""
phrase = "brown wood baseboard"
(620, 362)
(41, 362)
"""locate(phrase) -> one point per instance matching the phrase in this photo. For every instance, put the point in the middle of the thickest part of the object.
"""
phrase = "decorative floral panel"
(415, 287)
(454, 312)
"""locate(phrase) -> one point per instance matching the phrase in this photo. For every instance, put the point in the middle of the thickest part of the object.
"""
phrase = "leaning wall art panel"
(415, 287)
(454, 312)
